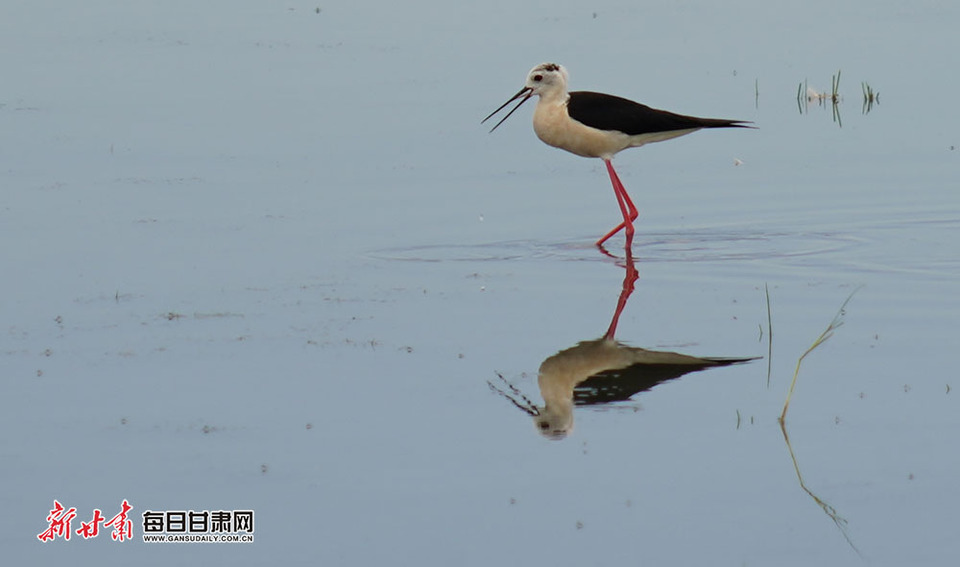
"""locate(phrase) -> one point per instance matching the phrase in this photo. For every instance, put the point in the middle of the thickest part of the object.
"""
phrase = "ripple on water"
(685, 246)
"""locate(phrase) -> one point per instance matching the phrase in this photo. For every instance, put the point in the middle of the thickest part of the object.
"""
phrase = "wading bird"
(599, 125)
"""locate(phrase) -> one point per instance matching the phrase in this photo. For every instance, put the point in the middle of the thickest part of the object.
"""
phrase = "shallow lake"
(265, 257)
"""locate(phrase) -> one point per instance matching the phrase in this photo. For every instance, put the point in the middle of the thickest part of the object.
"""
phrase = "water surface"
(265, 257)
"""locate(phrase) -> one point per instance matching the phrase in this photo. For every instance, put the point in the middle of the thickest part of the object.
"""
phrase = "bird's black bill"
(525, 92)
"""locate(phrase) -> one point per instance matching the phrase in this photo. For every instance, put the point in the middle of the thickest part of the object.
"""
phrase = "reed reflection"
(601, 371)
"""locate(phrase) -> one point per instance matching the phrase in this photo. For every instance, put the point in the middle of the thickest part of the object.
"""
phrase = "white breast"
(555, 127)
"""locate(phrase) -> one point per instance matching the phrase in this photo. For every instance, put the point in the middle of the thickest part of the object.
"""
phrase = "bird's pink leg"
(627, 208)
(628, 283)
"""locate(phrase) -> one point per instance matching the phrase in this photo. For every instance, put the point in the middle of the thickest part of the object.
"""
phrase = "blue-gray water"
(262, 257)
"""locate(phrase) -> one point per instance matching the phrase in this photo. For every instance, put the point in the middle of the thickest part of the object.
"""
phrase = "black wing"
(608, 112)
(620, 385)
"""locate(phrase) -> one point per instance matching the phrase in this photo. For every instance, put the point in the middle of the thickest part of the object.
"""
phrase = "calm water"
(266, 258)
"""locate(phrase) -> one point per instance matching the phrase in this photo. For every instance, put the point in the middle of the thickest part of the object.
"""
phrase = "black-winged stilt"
(601, 371)
(600, 125)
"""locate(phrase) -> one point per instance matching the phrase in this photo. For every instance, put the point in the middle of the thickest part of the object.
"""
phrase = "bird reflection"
(601, 371)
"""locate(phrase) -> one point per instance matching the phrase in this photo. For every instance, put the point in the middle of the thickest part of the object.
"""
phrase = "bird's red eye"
(538, 78)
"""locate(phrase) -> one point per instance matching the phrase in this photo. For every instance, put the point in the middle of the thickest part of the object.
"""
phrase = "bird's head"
(547, 80)
(554, 423)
